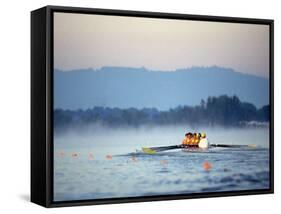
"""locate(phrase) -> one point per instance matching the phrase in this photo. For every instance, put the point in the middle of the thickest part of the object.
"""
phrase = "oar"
(153, 150)
(233, 146)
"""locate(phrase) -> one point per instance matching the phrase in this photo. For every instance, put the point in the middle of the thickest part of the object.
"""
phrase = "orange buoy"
(108, 157)
(91, 156)
(61, 154)
(207, 166)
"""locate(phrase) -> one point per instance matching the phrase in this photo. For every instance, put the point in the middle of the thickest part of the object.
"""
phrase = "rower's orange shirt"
(186, 141)
(196, 140)
(191, 141)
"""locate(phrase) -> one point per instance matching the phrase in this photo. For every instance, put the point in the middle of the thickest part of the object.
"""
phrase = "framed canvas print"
(134, 106)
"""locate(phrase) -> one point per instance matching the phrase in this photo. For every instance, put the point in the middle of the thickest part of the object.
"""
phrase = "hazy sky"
(83, 41)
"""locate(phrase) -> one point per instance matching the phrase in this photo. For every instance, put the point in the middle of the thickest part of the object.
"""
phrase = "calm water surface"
(105, 164)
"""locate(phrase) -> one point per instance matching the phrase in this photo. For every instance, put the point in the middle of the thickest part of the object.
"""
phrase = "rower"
(187, 139)
(204, 144)
(191, 140)
(196, 140)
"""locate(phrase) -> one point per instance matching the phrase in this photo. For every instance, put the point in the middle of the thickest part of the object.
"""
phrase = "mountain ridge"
(125, 87)
(187, 69)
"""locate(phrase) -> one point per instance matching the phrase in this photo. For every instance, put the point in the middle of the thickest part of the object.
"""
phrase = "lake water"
(100, 163)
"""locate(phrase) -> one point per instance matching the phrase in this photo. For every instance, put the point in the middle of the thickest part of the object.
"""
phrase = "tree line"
(223, 111)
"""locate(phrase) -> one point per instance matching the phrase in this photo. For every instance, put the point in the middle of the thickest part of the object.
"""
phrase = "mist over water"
(127, 139)
(99, 162)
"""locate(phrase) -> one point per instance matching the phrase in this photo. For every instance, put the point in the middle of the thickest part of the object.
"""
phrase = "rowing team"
(195, 139)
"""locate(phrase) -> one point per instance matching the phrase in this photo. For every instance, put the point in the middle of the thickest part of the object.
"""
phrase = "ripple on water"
(181, 172)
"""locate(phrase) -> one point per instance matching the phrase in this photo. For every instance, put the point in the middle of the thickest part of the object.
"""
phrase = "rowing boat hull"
(194, 149)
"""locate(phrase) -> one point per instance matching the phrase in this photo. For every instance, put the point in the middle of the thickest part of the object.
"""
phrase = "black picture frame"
(42, 104)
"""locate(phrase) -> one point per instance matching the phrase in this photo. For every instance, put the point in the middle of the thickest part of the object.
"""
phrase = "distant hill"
(126, 87)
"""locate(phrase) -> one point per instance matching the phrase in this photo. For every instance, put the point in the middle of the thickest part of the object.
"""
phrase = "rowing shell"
(154, 150)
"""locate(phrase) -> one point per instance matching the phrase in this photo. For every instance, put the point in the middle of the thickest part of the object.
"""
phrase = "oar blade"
(253, 146)
(148, 151)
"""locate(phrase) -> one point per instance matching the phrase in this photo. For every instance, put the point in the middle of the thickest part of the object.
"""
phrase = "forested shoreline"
(227, 111)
